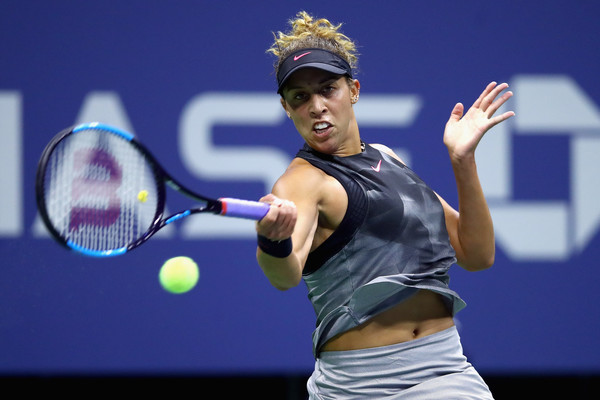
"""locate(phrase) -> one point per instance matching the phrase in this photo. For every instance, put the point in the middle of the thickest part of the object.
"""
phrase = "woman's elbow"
(478, 264)
(284, 285)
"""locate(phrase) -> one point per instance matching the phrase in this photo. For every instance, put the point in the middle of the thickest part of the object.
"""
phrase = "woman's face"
(320, 105)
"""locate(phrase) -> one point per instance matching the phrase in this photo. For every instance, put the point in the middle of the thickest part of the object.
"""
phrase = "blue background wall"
(155, 66)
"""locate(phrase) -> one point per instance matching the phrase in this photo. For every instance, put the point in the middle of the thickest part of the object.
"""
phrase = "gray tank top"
(391, 242)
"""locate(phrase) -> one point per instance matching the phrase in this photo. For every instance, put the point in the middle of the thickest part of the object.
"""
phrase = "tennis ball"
(178, 274)
(142, 196)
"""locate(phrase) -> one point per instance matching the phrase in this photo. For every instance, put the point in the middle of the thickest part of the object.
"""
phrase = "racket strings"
(100, 191)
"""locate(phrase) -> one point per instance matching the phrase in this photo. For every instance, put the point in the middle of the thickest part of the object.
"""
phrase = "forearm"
(283, 273)
(472, 229)
(475, 230)
(286, 233)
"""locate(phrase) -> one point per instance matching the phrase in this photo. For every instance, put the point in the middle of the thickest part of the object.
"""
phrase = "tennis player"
(370, 239)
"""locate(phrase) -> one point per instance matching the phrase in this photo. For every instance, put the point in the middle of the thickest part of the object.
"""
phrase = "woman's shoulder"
(301, 175)
(385, 149)
(300, 166)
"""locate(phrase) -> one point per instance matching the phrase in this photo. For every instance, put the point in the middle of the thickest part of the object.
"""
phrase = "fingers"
(496, 120)
(491, 110)
(280, 221)
(457, 113)
(269, 198)
(491, 95)
(487, 102)
(478, 103)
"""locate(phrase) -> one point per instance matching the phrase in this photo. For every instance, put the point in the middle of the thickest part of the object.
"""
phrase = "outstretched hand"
(463, 132)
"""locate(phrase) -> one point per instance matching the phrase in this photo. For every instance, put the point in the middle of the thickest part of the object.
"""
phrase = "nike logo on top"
(376, 169)
(296, 58)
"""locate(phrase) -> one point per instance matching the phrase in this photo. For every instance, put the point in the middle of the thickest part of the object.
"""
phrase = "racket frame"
(162, 179)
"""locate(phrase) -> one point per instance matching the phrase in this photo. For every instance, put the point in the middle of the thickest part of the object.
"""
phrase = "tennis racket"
(101, 193)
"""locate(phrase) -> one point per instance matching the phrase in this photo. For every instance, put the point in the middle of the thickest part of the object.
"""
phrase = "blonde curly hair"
(308, 32)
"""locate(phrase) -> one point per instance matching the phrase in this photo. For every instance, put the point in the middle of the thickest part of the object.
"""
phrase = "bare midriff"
(420, 315)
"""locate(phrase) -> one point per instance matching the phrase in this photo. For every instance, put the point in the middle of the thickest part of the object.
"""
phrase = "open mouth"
(321, 127)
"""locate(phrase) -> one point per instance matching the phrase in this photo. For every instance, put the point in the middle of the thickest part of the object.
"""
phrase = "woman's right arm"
(294, 214)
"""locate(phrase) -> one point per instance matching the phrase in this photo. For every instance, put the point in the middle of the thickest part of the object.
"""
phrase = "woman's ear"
(354, 90)
(284, 105)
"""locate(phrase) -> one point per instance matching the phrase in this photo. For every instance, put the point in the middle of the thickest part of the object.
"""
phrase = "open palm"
(463, 132)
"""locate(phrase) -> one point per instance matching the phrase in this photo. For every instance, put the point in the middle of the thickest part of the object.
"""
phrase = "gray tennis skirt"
(428, 368)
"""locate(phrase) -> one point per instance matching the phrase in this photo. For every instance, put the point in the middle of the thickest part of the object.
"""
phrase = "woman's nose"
(317, 105)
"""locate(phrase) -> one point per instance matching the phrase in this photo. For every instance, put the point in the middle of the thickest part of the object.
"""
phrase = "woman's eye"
(328, 90)
(299, 96)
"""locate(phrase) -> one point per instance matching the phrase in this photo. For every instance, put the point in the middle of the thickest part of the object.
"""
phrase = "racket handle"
(243, 208)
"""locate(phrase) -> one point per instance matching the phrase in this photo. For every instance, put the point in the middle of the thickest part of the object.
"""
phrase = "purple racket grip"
(244, 208)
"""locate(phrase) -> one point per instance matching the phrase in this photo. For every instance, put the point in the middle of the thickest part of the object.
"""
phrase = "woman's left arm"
(470, 228)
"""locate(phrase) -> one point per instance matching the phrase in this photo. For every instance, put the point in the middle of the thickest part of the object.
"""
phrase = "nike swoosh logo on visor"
(376, 169)
(296, 58)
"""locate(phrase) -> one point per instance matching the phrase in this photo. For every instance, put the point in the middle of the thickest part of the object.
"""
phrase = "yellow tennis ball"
(143, 196)
(179, 274)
